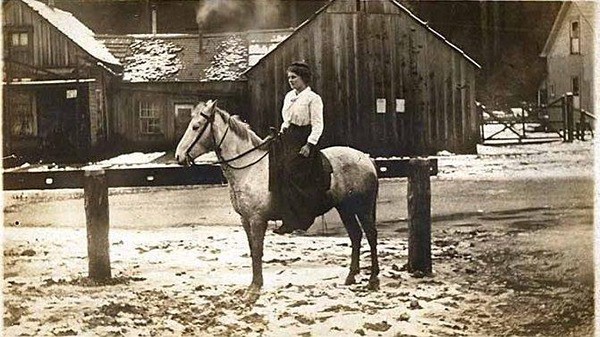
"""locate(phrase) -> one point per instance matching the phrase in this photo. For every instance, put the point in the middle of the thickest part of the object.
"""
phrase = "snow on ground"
(556, 159)
(553, 159)
(190, 281)
(132, 158)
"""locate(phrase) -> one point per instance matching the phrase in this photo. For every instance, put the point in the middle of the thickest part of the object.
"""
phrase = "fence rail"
(161, 176)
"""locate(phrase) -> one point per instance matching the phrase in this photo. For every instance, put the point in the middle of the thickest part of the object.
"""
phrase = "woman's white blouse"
(305, 108)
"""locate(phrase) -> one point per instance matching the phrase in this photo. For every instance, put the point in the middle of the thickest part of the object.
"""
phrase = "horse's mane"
(240, 128)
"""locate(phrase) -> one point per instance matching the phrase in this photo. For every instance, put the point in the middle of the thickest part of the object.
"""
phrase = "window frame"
(178, 106)
(150, 118)
(19, 49)
(575, 37)
(575, 80)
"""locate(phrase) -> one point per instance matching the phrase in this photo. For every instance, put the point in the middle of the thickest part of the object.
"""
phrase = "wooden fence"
(557, 118)
(96, 182)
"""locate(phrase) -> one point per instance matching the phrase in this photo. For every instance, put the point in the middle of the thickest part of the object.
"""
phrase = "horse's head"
(197, 140)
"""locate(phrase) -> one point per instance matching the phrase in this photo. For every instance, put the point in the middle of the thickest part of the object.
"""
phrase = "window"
(575, 85)
(23, 117)
(149, 118)
(184, 111)
(20, 39)
(575, 38)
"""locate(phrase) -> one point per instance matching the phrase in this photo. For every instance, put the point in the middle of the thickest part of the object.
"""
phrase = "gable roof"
(558, 22)
(437, 34)
(177, 58)
(75, 30)
(397, 4)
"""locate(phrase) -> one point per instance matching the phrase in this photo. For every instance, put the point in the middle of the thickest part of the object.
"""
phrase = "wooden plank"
(390, 55)
(205, 174)
(336, 109)
(357, 41)
(369, 87)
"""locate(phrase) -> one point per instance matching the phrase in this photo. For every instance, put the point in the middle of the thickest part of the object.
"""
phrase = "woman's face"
(296, 81)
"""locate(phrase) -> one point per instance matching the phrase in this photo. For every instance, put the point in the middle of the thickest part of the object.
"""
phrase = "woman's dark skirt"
(299, 183)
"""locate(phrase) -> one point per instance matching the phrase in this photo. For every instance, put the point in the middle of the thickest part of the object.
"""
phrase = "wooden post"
(419, 216)
(95, 189)
(523, 120)
(563, 105)
(570, 117)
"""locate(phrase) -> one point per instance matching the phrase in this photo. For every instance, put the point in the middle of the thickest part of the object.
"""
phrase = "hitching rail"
(95, 184)
(160, 176)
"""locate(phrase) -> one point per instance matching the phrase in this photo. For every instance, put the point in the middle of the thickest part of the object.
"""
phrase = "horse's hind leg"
(355, 233)
(367, 216)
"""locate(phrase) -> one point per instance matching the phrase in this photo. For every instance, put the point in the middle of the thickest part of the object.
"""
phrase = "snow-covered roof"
(177, 58)
(69, 25)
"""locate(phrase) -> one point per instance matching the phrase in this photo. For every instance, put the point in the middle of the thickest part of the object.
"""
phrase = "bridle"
(210, 119)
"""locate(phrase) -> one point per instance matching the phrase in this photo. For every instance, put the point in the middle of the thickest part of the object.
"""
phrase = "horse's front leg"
(255, 230)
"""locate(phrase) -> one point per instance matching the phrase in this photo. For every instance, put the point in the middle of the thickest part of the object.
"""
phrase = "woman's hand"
(306, 149)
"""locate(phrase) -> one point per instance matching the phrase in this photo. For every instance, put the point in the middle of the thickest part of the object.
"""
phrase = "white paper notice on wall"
(71, 93)
(400, 105)
(381, 105)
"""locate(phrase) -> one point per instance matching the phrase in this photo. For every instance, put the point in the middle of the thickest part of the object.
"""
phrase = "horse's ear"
(211, 105)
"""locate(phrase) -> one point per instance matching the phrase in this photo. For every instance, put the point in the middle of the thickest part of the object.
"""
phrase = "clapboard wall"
(364, 51)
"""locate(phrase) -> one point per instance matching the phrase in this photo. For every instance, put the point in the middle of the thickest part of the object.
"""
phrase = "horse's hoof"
(350, 280)
(373, 284)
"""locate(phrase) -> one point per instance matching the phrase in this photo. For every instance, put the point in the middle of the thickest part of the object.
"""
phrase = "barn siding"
(54, 56)
(51, 48)
(358, 57)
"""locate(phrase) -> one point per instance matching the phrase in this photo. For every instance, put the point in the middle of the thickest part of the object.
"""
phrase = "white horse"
(245, 164)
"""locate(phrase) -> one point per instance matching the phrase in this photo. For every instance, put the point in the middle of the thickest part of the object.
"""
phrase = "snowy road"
(512, 246)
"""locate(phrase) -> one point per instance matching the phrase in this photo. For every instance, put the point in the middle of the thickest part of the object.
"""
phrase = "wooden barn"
(57, 80)
(165, 75)
(391, 85)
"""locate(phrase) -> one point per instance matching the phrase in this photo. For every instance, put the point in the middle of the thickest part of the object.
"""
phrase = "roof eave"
(555, 28)
(75, 42)
(436, 33)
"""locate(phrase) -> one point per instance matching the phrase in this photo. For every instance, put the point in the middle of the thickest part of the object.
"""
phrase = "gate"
(554, 121)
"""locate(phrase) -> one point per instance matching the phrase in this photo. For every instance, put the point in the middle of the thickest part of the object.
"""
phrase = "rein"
(217, 147)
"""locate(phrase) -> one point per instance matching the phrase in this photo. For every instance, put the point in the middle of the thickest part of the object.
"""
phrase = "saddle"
(275, 169)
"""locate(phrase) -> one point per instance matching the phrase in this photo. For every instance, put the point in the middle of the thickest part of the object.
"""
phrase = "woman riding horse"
(298, 180)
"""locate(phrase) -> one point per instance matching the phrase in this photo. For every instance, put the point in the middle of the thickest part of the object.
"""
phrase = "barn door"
(64, 122)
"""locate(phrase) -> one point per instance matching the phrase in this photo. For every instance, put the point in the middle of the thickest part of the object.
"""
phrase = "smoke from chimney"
(243, 14)
(208, 8)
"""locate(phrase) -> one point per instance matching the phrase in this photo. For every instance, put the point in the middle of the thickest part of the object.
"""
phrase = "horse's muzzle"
(182, 160)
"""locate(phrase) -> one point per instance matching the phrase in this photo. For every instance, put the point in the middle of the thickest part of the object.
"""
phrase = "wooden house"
(57, 80)
(391, 85)
(165, 75)
(569, 53)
